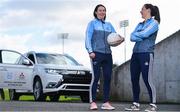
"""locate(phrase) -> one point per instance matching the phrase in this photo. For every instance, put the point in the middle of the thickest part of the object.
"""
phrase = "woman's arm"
(133, 37)
(145, 33)
(89, 33)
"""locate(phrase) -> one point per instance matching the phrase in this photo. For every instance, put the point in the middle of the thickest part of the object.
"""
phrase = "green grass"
(31, 97)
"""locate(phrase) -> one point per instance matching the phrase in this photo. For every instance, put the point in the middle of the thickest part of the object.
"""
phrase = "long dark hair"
(154, 11)
(96, 8)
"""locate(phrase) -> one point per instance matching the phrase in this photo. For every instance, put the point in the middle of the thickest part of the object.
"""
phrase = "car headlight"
(56, 71)
(51, 71)
(81, 72)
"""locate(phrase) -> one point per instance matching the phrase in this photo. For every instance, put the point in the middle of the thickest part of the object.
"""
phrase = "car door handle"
(3, 69)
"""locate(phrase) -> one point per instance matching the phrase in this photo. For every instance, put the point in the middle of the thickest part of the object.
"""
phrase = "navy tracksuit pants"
(103, 61)
(142, 63)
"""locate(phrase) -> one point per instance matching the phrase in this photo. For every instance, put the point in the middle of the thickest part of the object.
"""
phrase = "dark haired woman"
(142, 58)
(100, 54)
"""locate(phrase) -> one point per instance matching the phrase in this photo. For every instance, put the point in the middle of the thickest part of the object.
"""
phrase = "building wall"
(166, 74)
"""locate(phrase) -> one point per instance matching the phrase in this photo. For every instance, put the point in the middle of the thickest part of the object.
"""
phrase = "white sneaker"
(93, 106)
(152, 108)
(107, 106)
(134, 107)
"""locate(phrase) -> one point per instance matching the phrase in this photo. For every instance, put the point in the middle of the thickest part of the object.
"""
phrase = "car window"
(9, 57)
(20, 60)
(43, 58)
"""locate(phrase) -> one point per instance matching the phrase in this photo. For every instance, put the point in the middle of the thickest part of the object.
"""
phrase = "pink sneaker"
(107, 106)
(93, 106)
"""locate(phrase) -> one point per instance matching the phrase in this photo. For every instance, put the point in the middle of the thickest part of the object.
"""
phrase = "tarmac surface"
(17, 106)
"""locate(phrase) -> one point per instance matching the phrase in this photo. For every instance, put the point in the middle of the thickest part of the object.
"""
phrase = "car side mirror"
(26, 62)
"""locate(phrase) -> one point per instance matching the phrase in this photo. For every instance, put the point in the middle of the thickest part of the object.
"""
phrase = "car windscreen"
(57, 59)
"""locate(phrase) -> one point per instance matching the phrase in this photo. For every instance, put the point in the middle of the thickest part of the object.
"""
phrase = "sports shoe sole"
(104, 108)
(127, 109)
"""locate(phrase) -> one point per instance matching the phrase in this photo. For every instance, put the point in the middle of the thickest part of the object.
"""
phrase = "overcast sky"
(27, 25)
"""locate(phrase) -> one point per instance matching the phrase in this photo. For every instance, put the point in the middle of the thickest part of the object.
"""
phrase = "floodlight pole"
(124, 24)
(63, 36)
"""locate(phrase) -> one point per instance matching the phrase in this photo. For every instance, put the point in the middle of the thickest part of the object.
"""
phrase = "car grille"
(77, 78)
(77, 87)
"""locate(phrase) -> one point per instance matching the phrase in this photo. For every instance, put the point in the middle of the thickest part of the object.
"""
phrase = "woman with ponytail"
(144, 37)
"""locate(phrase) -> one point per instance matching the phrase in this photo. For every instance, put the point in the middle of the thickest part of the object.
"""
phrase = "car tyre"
(54, 98)
(85, 97)
(38, 90)
(13, 95)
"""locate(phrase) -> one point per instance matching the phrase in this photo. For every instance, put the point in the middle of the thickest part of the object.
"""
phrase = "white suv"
(43, 74)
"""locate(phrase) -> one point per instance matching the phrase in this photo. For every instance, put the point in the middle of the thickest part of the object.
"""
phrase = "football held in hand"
(114, 39)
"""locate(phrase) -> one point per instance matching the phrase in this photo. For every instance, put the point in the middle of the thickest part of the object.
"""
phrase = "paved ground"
(71, 106)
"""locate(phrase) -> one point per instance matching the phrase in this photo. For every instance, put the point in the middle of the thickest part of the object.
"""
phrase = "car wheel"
(85, 97)
(13, 95)
(54, 98)
(38, 90)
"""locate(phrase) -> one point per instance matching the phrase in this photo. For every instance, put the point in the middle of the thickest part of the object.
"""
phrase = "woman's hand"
(92, 55)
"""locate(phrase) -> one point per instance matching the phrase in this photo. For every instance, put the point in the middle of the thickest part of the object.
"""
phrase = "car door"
(15, 70)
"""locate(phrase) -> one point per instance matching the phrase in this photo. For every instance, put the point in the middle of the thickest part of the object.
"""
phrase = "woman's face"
(144, 12)
(101, 12)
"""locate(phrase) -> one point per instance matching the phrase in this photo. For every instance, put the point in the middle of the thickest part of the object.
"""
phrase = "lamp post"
(62, 36)
(124, 24)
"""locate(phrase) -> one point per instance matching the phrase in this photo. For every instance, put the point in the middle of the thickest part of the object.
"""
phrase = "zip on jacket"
(96, 36)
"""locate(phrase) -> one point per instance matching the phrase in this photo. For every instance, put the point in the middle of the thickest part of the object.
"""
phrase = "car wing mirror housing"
(26, 62)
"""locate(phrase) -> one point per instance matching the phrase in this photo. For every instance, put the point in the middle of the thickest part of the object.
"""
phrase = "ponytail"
(156, 14)
(154, 11)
